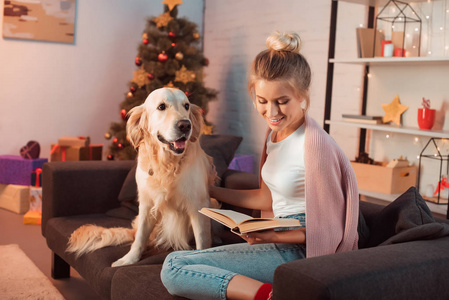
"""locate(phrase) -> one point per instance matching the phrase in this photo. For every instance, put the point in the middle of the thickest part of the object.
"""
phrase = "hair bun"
(287, 41)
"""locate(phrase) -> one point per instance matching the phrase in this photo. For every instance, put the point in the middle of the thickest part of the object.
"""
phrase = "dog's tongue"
(180, 144)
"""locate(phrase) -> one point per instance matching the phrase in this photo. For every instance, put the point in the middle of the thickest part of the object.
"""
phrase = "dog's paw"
(125, 260)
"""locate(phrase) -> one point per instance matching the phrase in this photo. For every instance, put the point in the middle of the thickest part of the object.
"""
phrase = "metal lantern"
(400, 14)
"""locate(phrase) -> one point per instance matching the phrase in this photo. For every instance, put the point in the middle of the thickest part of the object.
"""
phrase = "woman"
(304, 175)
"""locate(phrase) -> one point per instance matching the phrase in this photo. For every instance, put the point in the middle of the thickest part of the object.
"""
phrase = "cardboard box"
(15, 169)
(15, 198)
(63, 153)
(384, 180)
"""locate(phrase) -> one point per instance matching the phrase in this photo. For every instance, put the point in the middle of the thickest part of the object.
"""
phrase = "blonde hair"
(282, 61)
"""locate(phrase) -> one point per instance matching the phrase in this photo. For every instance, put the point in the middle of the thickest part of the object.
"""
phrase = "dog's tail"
(89, 238)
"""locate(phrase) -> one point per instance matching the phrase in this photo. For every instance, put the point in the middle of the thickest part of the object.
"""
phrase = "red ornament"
(173, 44)
(138, 61)
(145, 41)
(132, 89)
(120, 146)
(110, 157)
(162, 57)
(123, 114)
(187, 93)
(171, 35)
(115, 140)
(150, 76)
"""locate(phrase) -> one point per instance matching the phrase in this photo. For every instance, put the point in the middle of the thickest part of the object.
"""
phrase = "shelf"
(390, 128)
(435, 208)
(376, 2)
(393, 60)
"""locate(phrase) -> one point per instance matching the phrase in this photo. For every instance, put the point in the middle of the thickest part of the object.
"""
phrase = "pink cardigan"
(332, 197)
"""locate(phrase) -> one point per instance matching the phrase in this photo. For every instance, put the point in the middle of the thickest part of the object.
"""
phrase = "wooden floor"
(31, 241)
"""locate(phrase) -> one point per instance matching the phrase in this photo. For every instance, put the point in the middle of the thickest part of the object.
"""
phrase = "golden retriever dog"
(173, 174)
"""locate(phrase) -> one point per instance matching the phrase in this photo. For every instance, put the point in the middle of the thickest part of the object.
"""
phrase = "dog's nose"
(184, 126)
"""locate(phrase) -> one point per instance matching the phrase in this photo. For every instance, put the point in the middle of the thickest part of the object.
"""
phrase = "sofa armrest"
(414, 270)
(81, 187)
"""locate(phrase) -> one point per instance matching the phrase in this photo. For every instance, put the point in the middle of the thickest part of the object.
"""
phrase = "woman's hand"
(261, 237)
(295, 236)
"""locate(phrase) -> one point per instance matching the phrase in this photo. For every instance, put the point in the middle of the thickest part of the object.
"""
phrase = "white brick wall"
(235, 31)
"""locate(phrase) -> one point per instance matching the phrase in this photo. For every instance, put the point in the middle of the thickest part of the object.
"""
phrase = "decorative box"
(241, 162)
(66, 153)
(15, 169)
(71, 141)
(15, 198)
(384, 180)
(32, 218)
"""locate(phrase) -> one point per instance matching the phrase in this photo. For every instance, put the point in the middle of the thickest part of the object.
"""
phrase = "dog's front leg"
(201, 230)
(145, 225)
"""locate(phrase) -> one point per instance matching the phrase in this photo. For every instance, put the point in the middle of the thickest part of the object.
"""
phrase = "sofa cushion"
(96, 266)
(139, 283)
(408, 211)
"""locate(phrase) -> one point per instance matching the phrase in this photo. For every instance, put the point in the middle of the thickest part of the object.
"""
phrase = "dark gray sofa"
(404, 252)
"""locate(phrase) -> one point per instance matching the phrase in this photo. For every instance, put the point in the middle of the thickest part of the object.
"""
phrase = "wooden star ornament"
(172, 3)
(393, 111)
(162, 20)
(141, 77)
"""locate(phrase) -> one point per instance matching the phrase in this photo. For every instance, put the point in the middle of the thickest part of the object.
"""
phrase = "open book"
(241, 223)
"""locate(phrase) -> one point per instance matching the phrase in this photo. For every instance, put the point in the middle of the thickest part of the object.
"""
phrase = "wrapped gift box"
(32, 218)
(15, 169)
(35, 199)
(71, 141)
(241, 162)
(72, 153)
(383, 179)
(15, 198)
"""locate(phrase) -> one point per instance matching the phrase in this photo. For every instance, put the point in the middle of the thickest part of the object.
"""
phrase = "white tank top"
(284, 174)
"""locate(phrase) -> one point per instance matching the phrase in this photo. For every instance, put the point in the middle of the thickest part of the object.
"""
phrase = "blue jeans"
(205, 274)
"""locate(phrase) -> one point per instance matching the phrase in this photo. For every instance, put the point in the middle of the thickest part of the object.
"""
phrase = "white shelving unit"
(393, 60)
(440, 209)
(392, 128)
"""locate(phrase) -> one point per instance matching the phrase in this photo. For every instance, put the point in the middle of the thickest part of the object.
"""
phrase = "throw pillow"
(127, 197)
(221, 148)
(408, 211)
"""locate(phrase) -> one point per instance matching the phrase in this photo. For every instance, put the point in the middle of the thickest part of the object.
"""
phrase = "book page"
(263, 224)
(225, 215)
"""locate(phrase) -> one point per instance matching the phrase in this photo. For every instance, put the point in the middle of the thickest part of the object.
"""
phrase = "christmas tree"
(168, 56)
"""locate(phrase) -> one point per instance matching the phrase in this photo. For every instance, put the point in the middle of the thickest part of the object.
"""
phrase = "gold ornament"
(207, 129)
(129, 94)
(141, 77)
(169, 85)
(179, 56)
(107, 135)
(172, 3)
(163, 19)
(185, 75)
(144, 36)
(196, 35)
(393, 111)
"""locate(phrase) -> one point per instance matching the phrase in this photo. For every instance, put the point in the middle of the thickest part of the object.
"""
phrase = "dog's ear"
(136, 124)
(196, 117)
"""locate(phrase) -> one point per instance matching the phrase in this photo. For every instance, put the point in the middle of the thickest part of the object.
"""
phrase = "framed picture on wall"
(44, 20)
